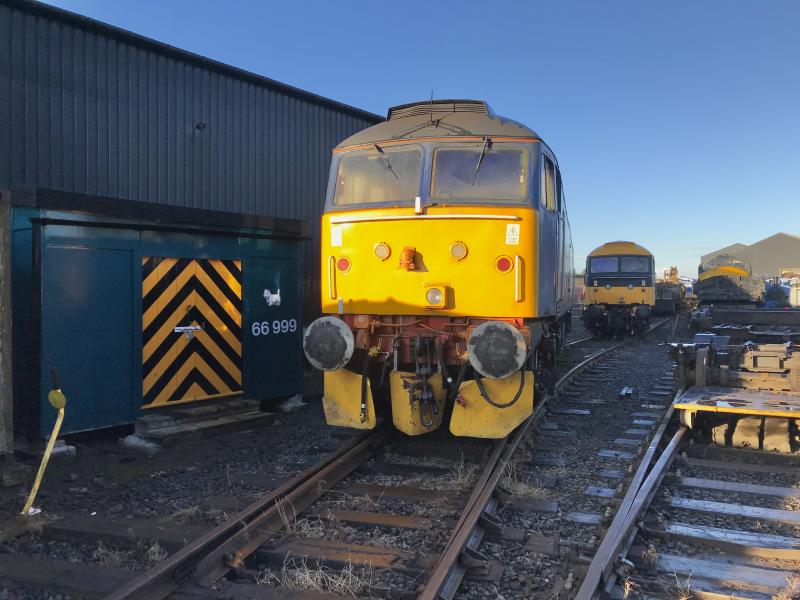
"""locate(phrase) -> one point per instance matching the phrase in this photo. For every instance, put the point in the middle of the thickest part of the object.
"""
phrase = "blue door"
(88, 335)
(272, 327)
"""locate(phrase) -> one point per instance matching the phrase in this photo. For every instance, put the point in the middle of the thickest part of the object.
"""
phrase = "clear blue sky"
(676, 124)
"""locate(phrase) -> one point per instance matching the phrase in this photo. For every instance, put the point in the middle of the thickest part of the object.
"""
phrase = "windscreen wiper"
(386, 161)
(487, 144)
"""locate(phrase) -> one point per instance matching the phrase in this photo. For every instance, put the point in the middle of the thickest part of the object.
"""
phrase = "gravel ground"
(533, 574)
(107, 479)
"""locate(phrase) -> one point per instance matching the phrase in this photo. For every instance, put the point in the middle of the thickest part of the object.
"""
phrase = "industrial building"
(769, 257)
(92, 109)
(163, 212)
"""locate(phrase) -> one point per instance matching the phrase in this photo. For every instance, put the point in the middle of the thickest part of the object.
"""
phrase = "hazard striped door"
(191, 329)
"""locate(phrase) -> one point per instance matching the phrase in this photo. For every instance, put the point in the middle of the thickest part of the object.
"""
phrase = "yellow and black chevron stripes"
(182, 292)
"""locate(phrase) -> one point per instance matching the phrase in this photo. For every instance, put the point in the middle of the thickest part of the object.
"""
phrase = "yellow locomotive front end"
(620, 289)
(431, 273)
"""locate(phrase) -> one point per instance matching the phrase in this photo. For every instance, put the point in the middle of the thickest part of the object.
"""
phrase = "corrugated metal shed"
(93, 109)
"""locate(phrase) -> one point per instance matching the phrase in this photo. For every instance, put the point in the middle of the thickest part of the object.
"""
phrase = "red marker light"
(343, 264)
(503, 264)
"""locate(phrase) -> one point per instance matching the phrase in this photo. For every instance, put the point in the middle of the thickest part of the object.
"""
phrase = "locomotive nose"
(496, 349)
(328, 343)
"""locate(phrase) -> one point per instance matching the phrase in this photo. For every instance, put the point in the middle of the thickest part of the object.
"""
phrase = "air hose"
(513, 401)
(364, 378)
(517, 396)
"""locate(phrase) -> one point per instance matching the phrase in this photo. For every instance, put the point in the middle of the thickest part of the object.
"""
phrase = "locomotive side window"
(604, 264)
(559, 192)
(549, 179)
(378, 175)
(485, 171)
(635, 264)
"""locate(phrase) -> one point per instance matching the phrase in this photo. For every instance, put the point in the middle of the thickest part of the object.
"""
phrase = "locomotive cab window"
(549, 183)
(635, 264)
(480, 172)
(603, 264)
(378, 175)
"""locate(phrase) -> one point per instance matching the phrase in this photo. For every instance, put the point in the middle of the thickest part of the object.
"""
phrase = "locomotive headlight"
(458, 250)
(630, 286)
(608, 286)
(382, 250)
(434, 296)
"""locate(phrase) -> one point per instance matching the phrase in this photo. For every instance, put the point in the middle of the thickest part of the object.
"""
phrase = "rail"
(448, 573)
(212, 555)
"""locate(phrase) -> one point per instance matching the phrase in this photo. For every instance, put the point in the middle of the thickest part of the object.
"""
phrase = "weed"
(650, 559)
(154, 553)
(192, 513)
(683, 590)
(297, 574)
(109, 557)
(461, 474)
(287, 514)
(792, 589)
(510, 480)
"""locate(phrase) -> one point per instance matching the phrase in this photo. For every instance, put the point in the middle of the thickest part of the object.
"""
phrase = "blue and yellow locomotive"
(447, 269)
(620, 289)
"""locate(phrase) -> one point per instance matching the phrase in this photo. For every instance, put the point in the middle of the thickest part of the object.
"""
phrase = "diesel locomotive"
(448, 274)
(620, 289)
(726, 279)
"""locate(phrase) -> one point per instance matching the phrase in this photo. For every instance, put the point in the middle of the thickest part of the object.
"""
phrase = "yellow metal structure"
(736, 401)
(724, 271)
(472, 284)
(473, 416)
(406, 409)
(341, 400)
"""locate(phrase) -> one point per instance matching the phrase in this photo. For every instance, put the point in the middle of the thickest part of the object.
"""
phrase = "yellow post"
(58, 400)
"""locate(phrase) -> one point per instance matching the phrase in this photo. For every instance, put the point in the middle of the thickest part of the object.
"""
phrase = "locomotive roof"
(620, 247)
(440, 119)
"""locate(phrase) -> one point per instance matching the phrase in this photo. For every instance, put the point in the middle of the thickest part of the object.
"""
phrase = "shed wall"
(92, 109)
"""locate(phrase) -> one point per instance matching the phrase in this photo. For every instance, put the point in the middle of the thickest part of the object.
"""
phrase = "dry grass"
(683, 590)
(297, 574)
(510, 480)
(379, 538)
(792, 589)
(186, 515)
(287, 514)
(628, 587)
(110, 556)
(650, 559)
(461, 474)
(304, 527)
(155, 553)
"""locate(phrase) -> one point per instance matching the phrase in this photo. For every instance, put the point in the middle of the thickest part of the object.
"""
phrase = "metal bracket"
(188, 330)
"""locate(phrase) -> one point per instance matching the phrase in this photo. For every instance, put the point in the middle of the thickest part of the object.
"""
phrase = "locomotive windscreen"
(378, 175)
(480, 172)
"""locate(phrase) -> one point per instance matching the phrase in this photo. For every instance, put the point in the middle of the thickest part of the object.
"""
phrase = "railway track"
(317, 525)
(704, 522)
(381, 514)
